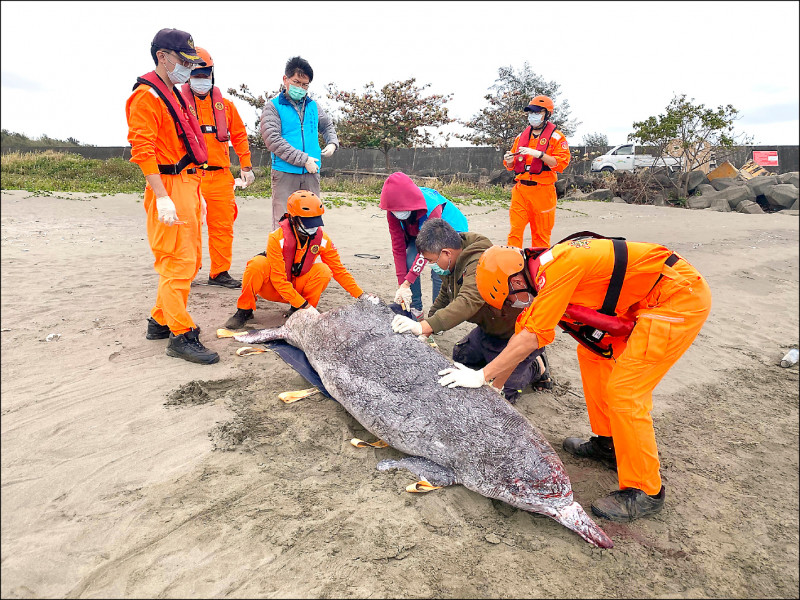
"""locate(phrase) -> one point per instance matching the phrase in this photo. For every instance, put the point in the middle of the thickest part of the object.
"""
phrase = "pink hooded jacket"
(400, 193)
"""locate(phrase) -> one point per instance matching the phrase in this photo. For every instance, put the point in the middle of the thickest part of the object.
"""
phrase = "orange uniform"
(217, 184)
(536, 204)
(669, 305)
(266, 275)
(176, 248)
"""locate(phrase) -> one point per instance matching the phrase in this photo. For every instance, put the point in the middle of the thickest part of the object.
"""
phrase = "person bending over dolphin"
(454, 256)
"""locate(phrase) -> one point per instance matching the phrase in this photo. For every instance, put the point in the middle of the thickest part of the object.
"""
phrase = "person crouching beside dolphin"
(289, 270)
(454, 256)
(582, 285)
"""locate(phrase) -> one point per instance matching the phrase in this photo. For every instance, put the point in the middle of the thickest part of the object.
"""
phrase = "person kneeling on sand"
(582, 284)
(288, 271)
(456, 257)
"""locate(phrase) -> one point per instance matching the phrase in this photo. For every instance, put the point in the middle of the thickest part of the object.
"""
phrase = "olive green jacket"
(459, 299)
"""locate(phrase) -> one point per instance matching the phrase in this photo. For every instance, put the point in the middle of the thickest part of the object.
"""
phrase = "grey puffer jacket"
(271, 132)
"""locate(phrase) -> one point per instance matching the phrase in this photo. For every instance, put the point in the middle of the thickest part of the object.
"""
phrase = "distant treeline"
(12, 138)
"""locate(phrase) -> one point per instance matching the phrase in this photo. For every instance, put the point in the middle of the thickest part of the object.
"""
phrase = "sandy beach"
(127, 473)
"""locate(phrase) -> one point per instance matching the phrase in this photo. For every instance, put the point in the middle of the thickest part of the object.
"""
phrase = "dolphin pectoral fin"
(260, 336)
(575, 518)
(432, 474)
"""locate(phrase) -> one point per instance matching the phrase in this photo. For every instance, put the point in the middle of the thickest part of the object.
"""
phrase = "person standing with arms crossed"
(538, 153)
(290, 126)
(220, 122)
(167, 144)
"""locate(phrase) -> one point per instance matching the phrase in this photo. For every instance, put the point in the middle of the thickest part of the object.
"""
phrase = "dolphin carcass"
(472, 437)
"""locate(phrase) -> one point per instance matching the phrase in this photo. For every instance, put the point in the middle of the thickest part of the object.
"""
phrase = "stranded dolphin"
(472, 437)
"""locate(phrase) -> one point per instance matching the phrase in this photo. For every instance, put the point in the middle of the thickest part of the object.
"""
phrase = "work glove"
(371, 297)
(401, 324)
(508, 157)
(328, 150)
(166, 210)
(309, 307)
(461, 376)
(531, 152)
(203, 210)
(311, 165)
(247, 177)
(403, 296)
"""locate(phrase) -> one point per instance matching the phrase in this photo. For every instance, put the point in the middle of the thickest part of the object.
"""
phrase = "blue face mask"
(439, 270)
(535, 119)
(296, 93)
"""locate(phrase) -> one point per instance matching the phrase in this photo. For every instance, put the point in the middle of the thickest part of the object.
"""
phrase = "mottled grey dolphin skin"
(389, 383)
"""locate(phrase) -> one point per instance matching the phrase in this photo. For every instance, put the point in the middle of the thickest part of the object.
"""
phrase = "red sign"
(765, 158)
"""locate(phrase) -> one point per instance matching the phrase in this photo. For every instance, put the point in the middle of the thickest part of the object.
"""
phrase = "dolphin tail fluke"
(261, 336)
(575, 518)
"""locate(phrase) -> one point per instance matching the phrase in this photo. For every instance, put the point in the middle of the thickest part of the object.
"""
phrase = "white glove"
(401, 324)
(531, 152)
(247, 177)
(508, 157)
(403, 296)
(312, 309)
(166, 210)
(203, 210)
(328, 150)
(311, 166)
(370, 297)
(462, 376)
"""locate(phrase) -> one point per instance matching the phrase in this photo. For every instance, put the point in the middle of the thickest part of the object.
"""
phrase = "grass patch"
(52, 171)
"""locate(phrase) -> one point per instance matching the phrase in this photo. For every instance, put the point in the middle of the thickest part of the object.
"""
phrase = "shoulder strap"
(219, 115)
(436, 213)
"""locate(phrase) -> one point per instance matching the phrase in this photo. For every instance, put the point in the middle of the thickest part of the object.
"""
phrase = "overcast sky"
(68, 67)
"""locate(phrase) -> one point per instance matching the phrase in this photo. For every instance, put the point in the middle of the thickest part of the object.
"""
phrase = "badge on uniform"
(540, 283)
(219, 106)
(314, 249)
(191, 110)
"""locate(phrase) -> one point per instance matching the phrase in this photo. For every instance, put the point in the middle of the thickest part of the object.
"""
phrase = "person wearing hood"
(298, 264)
(220, 122)
(457, 255)
(407, 208)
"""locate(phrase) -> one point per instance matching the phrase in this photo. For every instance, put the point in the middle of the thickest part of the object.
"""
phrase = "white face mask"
(200, 86)
(535, 119)
(401, 214)
(309, 231)
(179, 73)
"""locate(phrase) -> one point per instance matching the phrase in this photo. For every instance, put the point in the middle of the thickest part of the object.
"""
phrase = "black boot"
(225, 280)
(156, 331)
(237, 321)
(599, 448)
(628, 504)
(188, 347)
(543, 380)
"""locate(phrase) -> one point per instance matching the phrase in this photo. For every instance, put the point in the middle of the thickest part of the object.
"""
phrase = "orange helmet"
(495, 266)
(543, 101)
(203, 53)
(303, 203)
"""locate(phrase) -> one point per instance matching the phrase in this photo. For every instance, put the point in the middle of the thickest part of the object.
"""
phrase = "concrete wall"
(429, 161)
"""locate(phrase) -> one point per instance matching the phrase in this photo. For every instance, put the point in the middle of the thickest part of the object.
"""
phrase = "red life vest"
(588, 326)
(220, 126)
(185, 119)
(290, 248)
(529, 164)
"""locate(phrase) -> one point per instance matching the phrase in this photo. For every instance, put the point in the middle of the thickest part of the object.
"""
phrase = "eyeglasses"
(180, 61)
(299, 84)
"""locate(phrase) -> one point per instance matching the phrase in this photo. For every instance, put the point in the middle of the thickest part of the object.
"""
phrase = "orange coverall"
(217, 185)
(536, 204)
(176, 248)
(266, 275)
(669, 312)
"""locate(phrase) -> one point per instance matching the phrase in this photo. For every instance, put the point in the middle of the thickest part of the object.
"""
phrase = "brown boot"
(628, 505)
